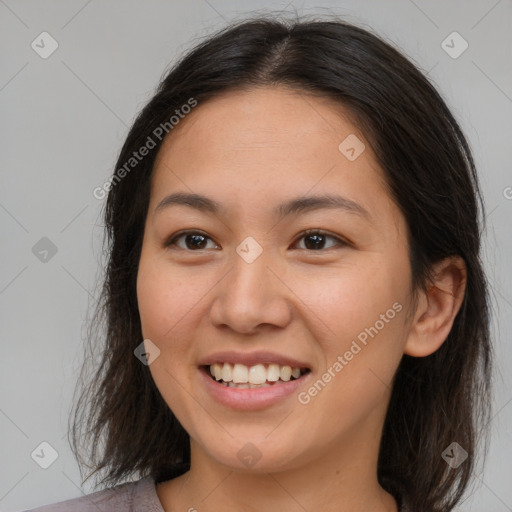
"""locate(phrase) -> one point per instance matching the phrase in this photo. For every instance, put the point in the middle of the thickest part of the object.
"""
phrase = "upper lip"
(251, 359)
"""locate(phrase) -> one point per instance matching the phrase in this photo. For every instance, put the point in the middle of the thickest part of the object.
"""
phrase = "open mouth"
(257, 376)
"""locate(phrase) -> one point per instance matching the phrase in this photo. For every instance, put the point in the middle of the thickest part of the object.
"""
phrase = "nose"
(250, 296)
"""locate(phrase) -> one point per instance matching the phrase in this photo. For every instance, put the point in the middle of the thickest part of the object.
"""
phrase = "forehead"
(271, 117)
(257, 147)
(275, 125)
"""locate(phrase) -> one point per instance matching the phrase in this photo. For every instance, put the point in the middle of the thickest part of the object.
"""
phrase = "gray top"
(128, 497)
(139, 496)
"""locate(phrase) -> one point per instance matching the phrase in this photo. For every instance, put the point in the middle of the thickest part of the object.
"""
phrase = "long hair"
(429, 169)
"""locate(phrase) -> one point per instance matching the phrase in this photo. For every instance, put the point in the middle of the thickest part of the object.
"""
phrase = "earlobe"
(437, 307)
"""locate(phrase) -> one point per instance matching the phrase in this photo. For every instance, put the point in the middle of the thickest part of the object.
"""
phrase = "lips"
(249, 396)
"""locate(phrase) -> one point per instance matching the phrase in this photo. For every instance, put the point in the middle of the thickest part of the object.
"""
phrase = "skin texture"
(249, 151)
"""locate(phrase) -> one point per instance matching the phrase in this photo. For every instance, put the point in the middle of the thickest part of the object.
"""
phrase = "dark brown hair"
(436, 400)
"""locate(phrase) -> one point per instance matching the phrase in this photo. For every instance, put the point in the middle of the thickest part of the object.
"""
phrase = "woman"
(296, 312)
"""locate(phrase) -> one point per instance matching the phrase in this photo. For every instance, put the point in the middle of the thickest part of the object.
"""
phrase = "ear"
(437, 307)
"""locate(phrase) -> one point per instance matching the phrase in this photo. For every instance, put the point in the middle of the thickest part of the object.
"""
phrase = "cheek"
(167, 305)
(376, 341)
(358, 314)
(163, 298)
(345, 301)
(172, 306)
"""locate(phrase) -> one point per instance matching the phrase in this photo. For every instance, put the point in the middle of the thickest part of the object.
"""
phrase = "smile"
(250, 396)
(249, 377)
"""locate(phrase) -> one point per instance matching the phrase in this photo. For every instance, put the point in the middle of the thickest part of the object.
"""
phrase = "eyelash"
(341, 243)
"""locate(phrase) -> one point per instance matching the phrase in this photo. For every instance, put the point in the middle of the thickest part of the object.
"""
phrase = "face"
(243, 283)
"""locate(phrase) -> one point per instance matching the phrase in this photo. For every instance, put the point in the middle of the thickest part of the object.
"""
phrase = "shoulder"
(130, 496)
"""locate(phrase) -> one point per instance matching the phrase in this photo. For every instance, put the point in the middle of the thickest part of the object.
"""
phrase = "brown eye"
(193, 240)
(315, 240)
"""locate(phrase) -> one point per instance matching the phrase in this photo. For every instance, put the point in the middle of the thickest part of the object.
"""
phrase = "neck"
(341, 478)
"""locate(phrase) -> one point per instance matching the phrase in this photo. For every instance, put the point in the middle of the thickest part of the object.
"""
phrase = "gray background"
(64, 120)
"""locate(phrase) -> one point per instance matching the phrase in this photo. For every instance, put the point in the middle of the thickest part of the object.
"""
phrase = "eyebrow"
(298, 205)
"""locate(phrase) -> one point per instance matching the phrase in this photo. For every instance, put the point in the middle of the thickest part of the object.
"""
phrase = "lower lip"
(250, 399)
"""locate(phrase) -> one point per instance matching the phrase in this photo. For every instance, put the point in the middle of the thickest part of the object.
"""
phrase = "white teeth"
(264, 385)
(241, 373)
(257, 374)
(217, 371)
(286, 373)
(245, 385)
(273, 372)
(244, 377)
(236, 385)
(227, 372)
